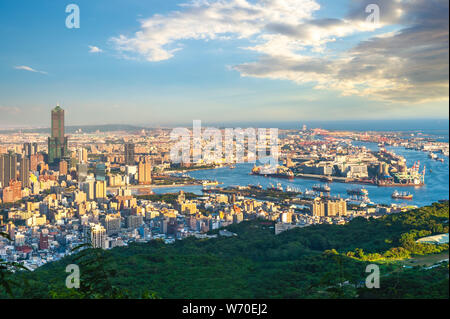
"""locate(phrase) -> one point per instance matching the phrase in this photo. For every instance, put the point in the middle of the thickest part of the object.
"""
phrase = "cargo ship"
(403, 195)
(281, 172)
(321, 188)
(358, 191)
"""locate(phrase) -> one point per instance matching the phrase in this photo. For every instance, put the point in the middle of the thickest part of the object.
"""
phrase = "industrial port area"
(343, 157)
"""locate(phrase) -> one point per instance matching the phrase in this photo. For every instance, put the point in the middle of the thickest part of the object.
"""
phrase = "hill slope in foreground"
(309, 262)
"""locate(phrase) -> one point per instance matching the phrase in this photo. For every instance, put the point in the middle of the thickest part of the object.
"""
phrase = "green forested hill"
(308, 262)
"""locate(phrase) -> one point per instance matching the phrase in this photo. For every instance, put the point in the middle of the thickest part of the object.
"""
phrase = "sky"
(161, 62)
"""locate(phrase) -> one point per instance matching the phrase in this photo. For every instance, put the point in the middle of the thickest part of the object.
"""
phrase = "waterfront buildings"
(328, 207)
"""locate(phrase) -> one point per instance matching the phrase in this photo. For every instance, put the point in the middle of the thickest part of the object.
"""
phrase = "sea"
(436, 180)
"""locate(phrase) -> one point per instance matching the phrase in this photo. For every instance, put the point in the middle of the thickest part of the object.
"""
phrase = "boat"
(358, 191)
(280, 172)
(291, 189)
(401, 195)
(359, 200)
(278, 188)
(327, 179)
(322, 188)
(232, 167)
(210, 183)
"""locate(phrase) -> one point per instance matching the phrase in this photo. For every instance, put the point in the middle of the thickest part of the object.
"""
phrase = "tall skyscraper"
(24, 172)
(8, 168)
(30, 149)
(129, 154)
(57, 143)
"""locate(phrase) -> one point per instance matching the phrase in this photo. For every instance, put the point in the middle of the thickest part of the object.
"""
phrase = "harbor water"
(436, 181)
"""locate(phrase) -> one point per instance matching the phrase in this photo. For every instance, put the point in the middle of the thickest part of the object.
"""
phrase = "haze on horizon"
(173, 61)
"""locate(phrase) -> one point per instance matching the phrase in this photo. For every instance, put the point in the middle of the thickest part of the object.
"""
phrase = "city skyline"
(261, 61)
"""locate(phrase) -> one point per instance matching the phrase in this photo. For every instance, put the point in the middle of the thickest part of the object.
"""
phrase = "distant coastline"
(426, 126)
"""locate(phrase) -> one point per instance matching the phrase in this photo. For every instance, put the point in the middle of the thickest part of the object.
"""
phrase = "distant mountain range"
(84, 128)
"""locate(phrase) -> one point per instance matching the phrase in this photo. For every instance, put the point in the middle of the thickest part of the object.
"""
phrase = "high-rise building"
(19, 240)
(318, 207)
(57, 143)
(34, 159)
(43, 241)
(13, 192)
(30, 149)
(100, 189)
(24, 172)
(336, 208)
(11, 230)
(26, 150)
(63, 168)
(88, 188)
(8, 168)
(98, 236)
(100, 172)
(112, 223)
(82, 172)
(134, 221)
(329, 208)
(129, 154)
(145, 172)
(82, 155)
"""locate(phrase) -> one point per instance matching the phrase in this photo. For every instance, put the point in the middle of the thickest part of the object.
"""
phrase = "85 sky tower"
(57, 143)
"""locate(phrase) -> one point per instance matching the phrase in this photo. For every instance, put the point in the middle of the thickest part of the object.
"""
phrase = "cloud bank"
(409, 65)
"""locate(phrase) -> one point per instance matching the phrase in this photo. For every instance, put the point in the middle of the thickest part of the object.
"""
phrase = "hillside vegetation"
(321, 261)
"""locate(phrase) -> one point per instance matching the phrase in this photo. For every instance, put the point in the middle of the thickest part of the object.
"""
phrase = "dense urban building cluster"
(58, 192)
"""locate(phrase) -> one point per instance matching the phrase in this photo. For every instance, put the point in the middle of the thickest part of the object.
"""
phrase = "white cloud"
(408, 65)
(208, 20)
(94, 49)
(27, 68)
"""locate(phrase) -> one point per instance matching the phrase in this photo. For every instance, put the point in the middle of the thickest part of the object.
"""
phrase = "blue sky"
(239, 61)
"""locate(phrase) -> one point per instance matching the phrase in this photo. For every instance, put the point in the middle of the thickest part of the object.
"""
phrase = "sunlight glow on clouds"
(409, 65)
